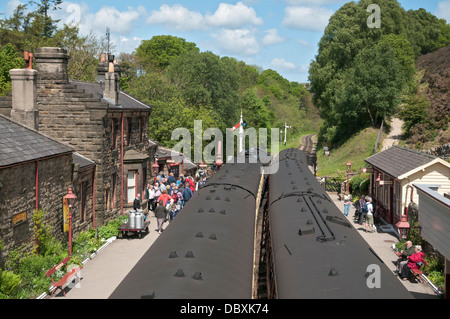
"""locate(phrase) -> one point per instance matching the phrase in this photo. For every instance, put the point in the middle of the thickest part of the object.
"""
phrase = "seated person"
(404, 254)
(416, 257)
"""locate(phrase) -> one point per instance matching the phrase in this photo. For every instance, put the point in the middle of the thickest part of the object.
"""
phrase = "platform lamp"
(403, 227)
(70, 197)
(349, 166)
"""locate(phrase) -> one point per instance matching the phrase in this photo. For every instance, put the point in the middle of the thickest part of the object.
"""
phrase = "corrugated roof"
(21, 144)
(397, 160)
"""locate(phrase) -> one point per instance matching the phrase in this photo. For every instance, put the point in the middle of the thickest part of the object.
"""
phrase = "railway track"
(309, 147)
(307, 144)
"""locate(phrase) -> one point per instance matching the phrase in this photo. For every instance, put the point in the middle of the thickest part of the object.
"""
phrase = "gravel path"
(395, 134)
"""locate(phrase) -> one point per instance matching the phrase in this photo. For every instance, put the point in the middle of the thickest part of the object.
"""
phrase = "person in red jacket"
(164, 197)
(416, 257)
(191, 183)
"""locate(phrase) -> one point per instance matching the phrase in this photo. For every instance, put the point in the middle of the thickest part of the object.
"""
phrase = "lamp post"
(349, 166)
(403, 227)
(70, 197)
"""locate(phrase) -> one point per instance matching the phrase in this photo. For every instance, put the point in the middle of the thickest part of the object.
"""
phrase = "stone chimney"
(24, 109)
(102, 68)
(112, 83)
(51, 63)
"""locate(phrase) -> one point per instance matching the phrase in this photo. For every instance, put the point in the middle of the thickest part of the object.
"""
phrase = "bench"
(65, 279)
(417, 272)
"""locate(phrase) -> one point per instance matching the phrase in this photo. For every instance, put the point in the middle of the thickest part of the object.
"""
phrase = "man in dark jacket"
(187, 194)
(137, 202)
(161, 214)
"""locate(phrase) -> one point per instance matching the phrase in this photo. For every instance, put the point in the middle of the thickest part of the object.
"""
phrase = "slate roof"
(166, 153)
(83, 162)
(126, 100)
(20, 144)
(397, 160)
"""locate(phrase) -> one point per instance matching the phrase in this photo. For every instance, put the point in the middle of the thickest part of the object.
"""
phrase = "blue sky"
(273, 34)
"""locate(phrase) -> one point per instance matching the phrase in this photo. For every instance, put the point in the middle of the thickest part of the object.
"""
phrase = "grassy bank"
(356, 150)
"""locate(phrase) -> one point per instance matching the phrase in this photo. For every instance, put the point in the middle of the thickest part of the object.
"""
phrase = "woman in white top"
(347, 202)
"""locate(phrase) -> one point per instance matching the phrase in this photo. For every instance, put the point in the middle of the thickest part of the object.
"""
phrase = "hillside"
(435, 86)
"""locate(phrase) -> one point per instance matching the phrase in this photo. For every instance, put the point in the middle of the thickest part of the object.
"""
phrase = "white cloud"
(118, 22)
(11, 6)
(304, 43)
(304, 68)
(443, 11)
(314, 2)
(226, 16)
(282, 64)
(307, 18)
(240, 41)
(272, 37)
(177, 17)
(233, 16)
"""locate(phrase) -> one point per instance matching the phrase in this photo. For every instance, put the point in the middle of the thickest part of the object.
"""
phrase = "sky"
(282, 35)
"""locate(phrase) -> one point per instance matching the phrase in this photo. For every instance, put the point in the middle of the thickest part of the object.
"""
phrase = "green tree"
(414, 112)
(205, 79)
(360, 73)
(42, 16)
(8, 60)
(161, 50)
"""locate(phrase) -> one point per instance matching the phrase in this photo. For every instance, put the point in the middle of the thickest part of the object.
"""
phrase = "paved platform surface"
(381, 242)
(101, 275)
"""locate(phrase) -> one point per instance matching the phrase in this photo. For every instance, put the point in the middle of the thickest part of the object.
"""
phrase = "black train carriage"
(207, 250)
(313, 251)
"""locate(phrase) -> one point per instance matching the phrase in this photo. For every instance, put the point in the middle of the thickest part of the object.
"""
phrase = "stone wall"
(18, 194)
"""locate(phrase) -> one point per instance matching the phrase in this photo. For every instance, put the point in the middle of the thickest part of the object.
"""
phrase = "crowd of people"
(167, 196)
(411, 257)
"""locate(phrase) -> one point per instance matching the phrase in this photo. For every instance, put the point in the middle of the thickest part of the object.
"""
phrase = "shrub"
(9, 283)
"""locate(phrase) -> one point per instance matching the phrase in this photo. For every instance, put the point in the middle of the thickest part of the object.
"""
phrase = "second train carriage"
(313, 251)
(207, 250)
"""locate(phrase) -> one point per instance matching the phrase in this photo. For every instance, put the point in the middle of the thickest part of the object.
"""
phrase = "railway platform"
(381, 242)
(101, 275)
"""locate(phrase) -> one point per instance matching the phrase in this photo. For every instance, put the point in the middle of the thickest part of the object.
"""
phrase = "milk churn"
(139, 219)
(132, 219)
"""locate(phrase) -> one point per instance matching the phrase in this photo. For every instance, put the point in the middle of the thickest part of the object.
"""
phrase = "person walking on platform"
(361, 210)
(347, 203)
(369, 215)
(161, 215)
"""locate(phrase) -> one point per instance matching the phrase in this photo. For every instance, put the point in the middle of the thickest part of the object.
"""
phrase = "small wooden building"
(395, 170)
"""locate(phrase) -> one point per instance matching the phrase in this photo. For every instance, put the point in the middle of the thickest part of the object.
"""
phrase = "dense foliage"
(31, 27)
(182, 84)
(23, 274)
(360, 74)
(171, 74)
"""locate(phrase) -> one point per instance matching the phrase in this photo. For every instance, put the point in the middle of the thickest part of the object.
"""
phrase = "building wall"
(18, 195)
(83, 212)
(400, 190)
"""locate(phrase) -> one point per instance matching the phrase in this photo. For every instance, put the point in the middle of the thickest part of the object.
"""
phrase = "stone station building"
(106, 130)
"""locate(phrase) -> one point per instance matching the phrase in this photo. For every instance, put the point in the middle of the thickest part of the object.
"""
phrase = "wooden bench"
(417, 272)
(65, 279)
